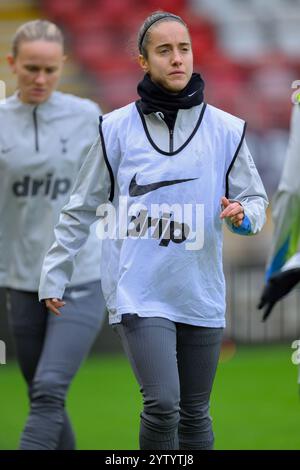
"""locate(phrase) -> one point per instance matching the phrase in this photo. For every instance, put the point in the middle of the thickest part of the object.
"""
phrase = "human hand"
(232, 210)
(54, 304)
(279, 285)
(267, 300)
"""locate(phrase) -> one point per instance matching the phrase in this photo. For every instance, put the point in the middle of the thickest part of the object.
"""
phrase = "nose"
(176, 57)
(40, 78)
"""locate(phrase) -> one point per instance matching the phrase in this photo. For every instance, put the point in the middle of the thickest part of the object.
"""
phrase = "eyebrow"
(40, 66)
(168, 44)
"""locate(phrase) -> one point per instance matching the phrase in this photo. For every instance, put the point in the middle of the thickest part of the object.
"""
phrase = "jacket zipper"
(171, 131)
(36, 131)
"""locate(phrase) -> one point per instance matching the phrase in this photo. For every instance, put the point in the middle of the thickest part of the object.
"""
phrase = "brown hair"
(155, 17)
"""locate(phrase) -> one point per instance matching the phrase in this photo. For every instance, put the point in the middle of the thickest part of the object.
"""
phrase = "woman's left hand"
(232, 210)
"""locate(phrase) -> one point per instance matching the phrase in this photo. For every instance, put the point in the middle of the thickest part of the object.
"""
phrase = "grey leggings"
(175, 365)
(50, 350)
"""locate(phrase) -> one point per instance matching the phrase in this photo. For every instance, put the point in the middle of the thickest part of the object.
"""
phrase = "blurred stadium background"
(248, 52)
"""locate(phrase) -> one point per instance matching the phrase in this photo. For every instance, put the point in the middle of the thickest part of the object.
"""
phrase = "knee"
(162, 406)
(48, 388)
(197, 423)
(195, 428)
(196, 414)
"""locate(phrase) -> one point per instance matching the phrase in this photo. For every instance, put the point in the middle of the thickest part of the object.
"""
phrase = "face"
(38, 67)
(170, 56)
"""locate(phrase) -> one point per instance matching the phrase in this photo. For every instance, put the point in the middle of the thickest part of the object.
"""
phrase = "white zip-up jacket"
(41, 151)
(214, 161)
(286, 203)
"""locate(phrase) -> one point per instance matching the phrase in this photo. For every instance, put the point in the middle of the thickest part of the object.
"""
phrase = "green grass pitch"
(255, 402)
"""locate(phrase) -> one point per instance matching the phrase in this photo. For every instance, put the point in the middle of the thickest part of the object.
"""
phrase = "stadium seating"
(237, 49)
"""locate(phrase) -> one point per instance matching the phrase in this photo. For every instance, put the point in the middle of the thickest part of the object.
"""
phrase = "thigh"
(69, 337)
(84, 304)
(27, 318)
(150, 345)
(198, 351)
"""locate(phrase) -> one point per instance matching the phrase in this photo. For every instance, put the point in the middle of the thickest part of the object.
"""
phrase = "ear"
(11, 62)
(143, 63)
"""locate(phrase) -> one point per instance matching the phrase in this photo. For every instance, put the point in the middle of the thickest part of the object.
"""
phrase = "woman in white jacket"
(157, 176)
(44, 138)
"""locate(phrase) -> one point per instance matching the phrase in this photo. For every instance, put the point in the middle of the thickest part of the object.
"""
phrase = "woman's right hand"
(54, 304)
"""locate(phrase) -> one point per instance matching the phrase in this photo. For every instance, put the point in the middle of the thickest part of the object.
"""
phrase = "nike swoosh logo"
(136, 189)
(192, 94)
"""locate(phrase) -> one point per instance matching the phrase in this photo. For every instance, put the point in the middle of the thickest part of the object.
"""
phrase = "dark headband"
(166, 15)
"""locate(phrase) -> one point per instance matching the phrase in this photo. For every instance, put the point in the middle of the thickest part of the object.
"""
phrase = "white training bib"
(166, 255)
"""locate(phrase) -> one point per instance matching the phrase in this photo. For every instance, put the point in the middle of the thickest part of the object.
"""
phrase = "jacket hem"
(210, 323)
(35, 288)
